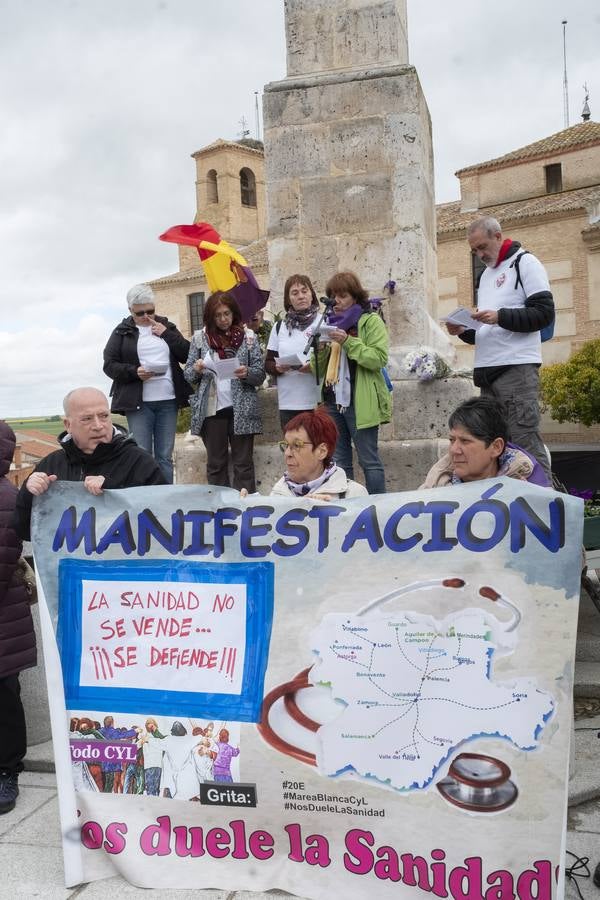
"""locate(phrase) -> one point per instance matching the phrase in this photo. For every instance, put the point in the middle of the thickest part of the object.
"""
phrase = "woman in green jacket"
(355, 392)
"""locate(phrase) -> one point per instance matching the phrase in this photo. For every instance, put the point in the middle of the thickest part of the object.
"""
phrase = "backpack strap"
(515, 263)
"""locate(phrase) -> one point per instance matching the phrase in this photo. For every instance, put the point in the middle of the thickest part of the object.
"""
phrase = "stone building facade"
(547, 196)
(230, 195)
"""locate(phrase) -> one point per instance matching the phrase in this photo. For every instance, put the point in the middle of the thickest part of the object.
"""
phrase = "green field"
(40, 424)
(45, 423)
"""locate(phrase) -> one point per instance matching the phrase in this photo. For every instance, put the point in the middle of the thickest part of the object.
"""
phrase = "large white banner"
(371, 695)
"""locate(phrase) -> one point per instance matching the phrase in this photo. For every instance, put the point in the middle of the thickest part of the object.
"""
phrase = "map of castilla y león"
(415, 689)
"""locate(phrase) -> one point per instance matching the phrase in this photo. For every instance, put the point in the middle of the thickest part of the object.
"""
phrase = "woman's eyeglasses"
(294, 446)
(143, 312)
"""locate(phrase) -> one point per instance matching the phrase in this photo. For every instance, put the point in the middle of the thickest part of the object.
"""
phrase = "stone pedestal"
(409, 445)
(349, 162)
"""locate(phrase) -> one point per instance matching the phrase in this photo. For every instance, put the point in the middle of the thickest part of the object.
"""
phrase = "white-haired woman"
(143, 356)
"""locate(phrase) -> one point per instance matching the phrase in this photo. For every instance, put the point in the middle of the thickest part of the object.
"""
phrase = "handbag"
(25, 576)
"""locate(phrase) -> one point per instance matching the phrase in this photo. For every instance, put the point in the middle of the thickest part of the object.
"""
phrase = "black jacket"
(121, 362)
(17, 637)
(122, 463)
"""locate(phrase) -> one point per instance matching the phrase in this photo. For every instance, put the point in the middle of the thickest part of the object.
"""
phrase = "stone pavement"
(30, 849)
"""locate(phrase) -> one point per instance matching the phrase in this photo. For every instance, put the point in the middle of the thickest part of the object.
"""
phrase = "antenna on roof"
(244, 133)
(565, 81)
(256, 115)
(585, 112)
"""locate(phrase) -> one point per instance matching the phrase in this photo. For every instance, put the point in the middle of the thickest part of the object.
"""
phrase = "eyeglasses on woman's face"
(294, 446)
(140, 313)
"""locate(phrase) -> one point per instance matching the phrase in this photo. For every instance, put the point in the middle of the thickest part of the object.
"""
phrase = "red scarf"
(226, 343)
(506, 245)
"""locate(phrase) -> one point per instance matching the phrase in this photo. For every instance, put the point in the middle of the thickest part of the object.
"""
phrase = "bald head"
(87, 418)
(82, 394)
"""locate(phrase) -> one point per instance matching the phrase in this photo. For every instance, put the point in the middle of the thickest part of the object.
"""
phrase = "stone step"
(584, 781)
(587, 678)
(588, 648)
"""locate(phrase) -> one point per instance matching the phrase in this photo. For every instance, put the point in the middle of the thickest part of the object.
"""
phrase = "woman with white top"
(297, 389)
(143, 356)
(225, 407)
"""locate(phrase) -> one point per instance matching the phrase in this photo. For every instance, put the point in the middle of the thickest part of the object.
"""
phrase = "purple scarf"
(346, 319)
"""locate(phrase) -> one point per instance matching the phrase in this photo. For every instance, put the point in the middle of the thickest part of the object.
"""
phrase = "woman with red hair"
(308, 446)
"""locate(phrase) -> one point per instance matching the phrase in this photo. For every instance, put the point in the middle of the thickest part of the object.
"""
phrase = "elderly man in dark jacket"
(93, 451)
(17, 637)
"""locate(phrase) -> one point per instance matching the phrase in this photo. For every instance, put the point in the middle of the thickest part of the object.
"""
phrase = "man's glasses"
(294, 446)
(143, 312)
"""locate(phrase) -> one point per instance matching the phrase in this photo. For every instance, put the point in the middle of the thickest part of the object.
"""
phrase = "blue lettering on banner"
(258, 530)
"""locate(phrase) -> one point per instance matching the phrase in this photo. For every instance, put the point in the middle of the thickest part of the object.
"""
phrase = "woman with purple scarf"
(355, 392)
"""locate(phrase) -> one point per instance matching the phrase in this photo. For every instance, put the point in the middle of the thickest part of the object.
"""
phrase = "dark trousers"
(365, 440)
(286, 415)
(519, 389)
(13, 736)
(217, 434)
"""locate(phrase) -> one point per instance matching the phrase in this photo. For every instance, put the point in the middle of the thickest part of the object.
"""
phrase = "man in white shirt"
(513, 303)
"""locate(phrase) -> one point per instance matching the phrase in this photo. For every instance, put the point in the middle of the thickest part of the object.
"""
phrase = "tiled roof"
(256, 254)
(450, 218)
(36, 449)
(568, 139)
(219, 143)
(196, 274)
(36, 434)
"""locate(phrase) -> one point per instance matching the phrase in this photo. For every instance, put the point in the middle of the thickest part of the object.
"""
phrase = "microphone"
(328, 303)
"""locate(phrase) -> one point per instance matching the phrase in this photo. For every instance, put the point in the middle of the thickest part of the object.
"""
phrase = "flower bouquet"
(426, 364)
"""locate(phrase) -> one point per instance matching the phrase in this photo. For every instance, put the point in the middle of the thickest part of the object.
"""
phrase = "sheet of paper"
(462, 316)
(223, 368)
(325, 332)
(294, 359)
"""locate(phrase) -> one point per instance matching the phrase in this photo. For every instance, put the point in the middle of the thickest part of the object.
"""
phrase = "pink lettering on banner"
(163, 838)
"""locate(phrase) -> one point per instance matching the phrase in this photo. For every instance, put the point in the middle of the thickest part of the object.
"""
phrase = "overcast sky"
(103, 101)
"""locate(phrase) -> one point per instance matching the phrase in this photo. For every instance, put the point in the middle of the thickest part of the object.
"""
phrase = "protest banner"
(364, 695)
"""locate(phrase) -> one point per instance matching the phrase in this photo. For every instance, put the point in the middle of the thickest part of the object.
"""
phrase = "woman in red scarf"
(225, 406)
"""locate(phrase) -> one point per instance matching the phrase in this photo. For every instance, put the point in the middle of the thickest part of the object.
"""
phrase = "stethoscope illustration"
(478, 783)
(474, 782)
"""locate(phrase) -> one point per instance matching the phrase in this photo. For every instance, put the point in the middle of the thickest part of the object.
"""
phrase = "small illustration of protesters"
(225, 753)
(209, 732)
(152, 749)
(113, 772)
(179, 772)
(204, 757)
(85, 729)
(83, 779)
(133, 772)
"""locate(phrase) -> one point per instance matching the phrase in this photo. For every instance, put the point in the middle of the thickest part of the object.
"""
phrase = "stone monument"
(349, 162)
(349, 185)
